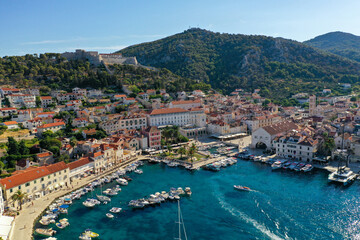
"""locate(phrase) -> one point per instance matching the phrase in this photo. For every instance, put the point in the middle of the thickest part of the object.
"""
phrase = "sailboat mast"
(179, 220)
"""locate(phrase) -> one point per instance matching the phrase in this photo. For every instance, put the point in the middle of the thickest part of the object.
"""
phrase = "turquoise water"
(284, 205)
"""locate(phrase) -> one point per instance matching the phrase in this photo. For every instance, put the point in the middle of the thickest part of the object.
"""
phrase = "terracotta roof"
(31, 174)
(46, 98)
(280, 127)
(45, 113)
(78, 163)
(44, 154)
(10, 123)
(7, 109)
(56, 167)
(97, 154)
(52, 125)
(90, 131)
(167, 111)
(120, 96)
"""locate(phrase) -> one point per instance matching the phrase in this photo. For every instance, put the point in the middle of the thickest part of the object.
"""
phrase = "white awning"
(37, 194)
(56, 186)
(62, 184)
(50, 188)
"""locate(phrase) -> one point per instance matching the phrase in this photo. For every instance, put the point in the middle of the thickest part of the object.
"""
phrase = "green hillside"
(56, 72)
(343, 44)
(278, 66)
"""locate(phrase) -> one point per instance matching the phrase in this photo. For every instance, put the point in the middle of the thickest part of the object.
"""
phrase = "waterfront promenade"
(23, 223)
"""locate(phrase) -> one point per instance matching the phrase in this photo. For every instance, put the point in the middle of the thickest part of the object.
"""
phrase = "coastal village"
(59, 140)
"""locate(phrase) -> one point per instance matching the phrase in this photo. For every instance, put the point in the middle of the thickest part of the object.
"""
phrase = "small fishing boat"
(276, 165)
(109, 215)
(62, 224)
(103, 198)
(45, 232)
(307, 168)
(88, 204)
(242, 188)
(44, 222)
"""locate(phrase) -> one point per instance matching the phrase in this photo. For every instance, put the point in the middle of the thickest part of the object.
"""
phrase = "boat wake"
(236, 213)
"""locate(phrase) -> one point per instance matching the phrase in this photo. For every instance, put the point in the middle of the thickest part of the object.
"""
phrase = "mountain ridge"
(229, 61)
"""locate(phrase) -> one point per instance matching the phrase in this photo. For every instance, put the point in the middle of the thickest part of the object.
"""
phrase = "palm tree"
(192, 151)
(181, 151)
(19, 196)
(166, 133)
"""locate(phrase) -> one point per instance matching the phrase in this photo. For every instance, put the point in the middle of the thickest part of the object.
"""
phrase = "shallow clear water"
(284, 204)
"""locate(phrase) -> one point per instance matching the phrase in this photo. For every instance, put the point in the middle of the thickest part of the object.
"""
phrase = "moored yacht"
(342, 176)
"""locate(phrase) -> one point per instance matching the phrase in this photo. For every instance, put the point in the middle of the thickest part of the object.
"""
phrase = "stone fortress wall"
(95, 58)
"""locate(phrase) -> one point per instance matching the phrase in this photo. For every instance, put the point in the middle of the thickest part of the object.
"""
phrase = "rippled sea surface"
(283, 205)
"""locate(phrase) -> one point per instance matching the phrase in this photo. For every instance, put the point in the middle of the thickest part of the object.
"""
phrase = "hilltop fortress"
(95, 58)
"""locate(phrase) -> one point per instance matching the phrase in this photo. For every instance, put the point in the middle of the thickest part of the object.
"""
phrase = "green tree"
(23, 149)
(13, 147)
(19, 196)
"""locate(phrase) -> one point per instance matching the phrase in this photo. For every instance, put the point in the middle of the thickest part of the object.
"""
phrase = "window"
(27, 184)
(11, 190)
(42, 179)
(34, 181)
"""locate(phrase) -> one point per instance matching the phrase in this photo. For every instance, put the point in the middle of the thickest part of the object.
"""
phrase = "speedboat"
(115, 210)
(242, 188)
(109, 215)
(342, 176)
(45, 232)
(88, 234)
(276, 165)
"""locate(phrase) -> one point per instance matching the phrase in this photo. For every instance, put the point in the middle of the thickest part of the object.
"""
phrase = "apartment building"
(133, 121)
(35, 181)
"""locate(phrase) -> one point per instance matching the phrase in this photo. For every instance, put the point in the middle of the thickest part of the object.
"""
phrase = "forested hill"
(278, 66)
(56, 72)
(343, 44)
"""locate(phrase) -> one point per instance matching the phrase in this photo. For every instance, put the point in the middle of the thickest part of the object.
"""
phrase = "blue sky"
(106, 26)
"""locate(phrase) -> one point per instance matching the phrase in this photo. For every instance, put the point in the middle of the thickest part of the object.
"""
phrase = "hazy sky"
(106, 26)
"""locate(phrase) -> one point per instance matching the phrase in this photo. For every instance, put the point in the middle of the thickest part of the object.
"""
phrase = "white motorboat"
(342, 176)
(276, 165)
(188, 191)
(122, 181)
(88, 204)
(115, 210)
(138, 171)
(109, 215)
